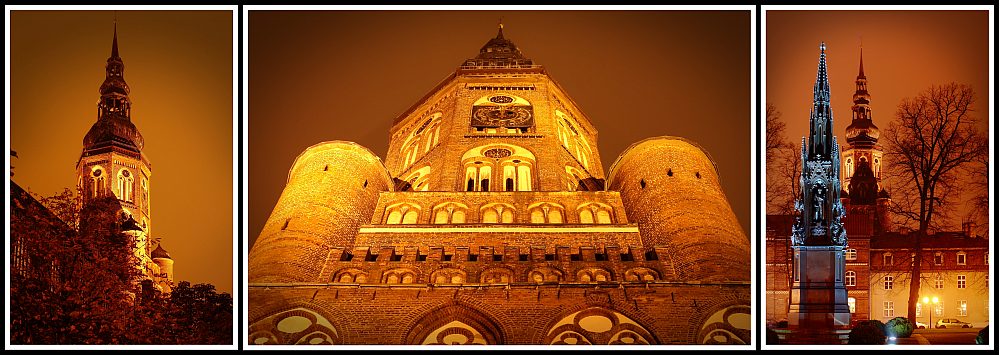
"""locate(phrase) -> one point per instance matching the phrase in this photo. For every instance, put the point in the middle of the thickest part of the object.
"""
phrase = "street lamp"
(930, 312)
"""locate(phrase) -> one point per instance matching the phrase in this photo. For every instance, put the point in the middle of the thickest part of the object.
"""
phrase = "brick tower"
(112, 163)
(492, 221)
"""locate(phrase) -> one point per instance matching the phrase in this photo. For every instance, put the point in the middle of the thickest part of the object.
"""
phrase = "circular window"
(97, 172)
(497, 153)
(125, 173)
(501, 99)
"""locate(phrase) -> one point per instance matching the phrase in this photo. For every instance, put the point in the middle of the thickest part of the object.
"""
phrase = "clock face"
(502, 111)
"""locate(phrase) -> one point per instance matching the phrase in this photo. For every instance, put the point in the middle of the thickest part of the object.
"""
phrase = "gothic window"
(497, 213)
(498, 167)
(595, 213)
(417, 180)
(396, 276)
(546, 212)
(448, 276)
(496, 275)
(294, 327)
(403, 213)
(598, 326)
(848, 167)
(593, 275)
(125, 185)
(572, 178)
(502, 113)
(450, 212)
(850, 278)
(641, 274)
(423, 138)
(145, 195)
(574, 142)
(99, 186)
(729, 325)
(545, 274)
(350, 276)
(455, 325)
(878, 169)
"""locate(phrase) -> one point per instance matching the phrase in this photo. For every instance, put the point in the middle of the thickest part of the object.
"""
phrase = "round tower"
(332, 189)
(163, 260)
(670, 188)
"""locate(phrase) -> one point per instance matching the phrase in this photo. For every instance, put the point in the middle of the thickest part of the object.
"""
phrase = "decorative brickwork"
(491, 223)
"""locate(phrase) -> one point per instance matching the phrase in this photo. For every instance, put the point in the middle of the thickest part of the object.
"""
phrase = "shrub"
(772, 337)
(899, 327)
(984, 336)
(867, 333)
(782, 324)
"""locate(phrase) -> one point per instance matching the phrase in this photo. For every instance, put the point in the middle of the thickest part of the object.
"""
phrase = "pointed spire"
(821, 139)
(861, 67)
(500, 28)
(114, 43)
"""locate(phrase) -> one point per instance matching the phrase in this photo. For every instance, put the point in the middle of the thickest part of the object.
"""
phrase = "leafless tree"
(784, 164)
(932, 139)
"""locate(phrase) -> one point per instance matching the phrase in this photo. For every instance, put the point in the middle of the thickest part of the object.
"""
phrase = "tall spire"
(862, 132)
(861, 67)
(114, 43)
(500, 28)
(821, 139)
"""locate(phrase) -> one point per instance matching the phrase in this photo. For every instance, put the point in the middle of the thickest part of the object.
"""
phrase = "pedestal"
(818, 313)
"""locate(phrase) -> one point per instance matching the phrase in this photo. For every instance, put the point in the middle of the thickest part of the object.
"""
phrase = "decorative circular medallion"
(97, 173)
(125, 173)
(497, 153)
(501, 99)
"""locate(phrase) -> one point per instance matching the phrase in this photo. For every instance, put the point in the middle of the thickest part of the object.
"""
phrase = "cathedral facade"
(492, 221)
(113, 164)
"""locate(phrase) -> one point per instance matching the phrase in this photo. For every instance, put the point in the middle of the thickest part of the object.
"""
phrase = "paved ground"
(951, 336)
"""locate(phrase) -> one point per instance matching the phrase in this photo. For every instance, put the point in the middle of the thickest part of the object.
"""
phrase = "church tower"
(819, 299)
(493, 221)
(112, 162)
(862, 160)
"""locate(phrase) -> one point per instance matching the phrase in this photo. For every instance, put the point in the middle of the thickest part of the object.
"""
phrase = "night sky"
(178, 65)
(345, 75)
(905, 52)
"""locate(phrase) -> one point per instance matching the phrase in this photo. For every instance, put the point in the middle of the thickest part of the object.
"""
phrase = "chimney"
(969, 228)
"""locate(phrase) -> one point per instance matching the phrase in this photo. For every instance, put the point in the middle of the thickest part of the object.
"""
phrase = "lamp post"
(930, 315)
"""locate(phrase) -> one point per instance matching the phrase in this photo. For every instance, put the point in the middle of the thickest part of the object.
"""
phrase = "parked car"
(952, 323)
(921, 325)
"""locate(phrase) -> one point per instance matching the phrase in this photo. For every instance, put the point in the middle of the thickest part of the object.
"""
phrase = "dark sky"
(345, 75)
(905, 53)
(178, 65)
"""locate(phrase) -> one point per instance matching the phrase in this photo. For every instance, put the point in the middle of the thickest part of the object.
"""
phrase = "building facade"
(493, 221)
(112, 164)
(877, 256)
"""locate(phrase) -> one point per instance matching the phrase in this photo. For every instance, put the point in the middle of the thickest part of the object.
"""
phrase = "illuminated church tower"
(493, 221)
(113, 164)
(818, 296)
(862, 160)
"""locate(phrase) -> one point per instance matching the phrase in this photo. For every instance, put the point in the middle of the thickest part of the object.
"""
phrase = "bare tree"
(932, 138)
(784, 165)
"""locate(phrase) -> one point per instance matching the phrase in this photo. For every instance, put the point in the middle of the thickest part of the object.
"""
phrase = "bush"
(984, 336)
(772, 337)
(782, 324)
(899, 327)
(867, 333)
(876, 323)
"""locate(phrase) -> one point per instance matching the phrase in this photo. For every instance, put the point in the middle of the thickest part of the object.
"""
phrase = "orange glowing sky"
(905, 52)
(345, 75)
(179, 67)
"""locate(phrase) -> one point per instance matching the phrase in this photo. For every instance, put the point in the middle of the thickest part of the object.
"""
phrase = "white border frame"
(753, 194)
(762, 203)
(236, 290)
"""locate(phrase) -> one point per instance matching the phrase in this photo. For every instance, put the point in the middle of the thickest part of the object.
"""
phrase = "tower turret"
(862, 160)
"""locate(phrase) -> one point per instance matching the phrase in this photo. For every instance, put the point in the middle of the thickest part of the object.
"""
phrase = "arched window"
(572, 178)
(402, 213)
(498, 167)
(497, 213)
(395, 276)
(848, 167)
(421, 140)
(546, 212)
(417, 180)
(595, 213)
(572, 140)
(450, 212)
(593, 275)
(145, 195)
(125, 185)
